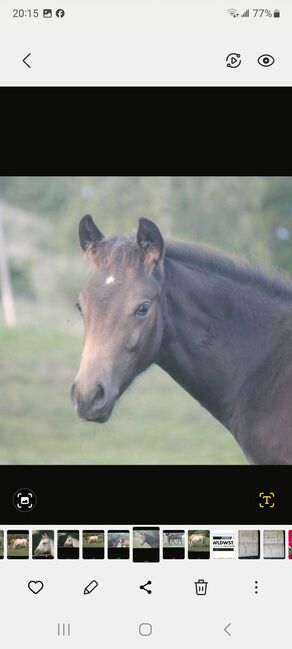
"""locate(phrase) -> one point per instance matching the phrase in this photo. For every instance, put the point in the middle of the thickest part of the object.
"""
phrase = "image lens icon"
(266, 60)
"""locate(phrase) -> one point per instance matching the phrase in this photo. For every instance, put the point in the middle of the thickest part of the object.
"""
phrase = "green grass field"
(155, 422)
(202, 546)
(17, 554)
(94, 544)
(170, 544)
(199, 547)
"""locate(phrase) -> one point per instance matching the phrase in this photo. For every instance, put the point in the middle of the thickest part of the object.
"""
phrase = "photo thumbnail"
(43, 544)
(173, 544)
(199, 544)
(146, 544)
(17, 544)
(68, 544)
(93, 544)
(118, 544)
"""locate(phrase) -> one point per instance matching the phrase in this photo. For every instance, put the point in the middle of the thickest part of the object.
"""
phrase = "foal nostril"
(86, 406)
(99, 396)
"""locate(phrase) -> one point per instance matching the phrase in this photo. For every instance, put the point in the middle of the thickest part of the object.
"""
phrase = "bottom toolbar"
(161, 602)
(238, 594)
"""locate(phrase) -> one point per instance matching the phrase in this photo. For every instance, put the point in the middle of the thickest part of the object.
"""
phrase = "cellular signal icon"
(245, 14)
(233, 12)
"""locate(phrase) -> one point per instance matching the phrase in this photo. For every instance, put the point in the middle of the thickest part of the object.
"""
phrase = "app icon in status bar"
(49, 13)
(254, 13)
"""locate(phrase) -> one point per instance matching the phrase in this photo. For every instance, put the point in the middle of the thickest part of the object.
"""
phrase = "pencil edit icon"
(90, 587)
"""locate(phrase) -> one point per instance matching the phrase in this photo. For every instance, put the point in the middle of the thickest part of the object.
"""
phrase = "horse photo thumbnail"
(68, 544)
(43, 544)
(146, 544)
(17, 544)
(93, 544)
(173, 544)
(199, 544)
(118, 544)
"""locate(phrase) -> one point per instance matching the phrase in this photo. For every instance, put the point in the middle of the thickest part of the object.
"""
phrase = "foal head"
(122, 314)
(44, 545)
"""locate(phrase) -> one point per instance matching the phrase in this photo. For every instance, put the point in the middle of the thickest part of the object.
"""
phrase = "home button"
(145, 628)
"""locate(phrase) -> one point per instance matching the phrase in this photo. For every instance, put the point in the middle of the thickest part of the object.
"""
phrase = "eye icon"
(266, 60)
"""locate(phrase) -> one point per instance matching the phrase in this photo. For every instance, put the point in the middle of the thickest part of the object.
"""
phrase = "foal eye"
(143, 309)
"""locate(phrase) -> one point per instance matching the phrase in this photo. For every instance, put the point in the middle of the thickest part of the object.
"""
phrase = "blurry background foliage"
(246, 216)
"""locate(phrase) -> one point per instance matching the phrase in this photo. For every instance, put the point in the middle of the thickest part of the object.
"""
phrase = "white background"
(110, 616)
(144, 42)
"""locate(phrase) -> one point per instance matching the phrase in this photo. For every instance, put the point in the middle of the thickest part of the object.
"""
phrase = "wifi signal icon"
(233, 12)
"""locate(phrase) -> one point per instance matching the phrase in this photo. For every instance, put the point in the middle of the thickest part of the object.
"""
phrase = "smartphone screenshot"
(145, 409)
(145, 324)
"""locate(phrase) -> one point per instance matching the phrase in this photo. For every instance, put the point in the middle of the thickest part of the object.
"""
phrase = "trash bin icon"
(201, 587)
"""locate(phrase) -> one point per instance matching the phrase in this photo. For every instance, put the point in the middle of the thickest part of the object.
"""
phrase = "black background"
(136, 131)
(147, 495)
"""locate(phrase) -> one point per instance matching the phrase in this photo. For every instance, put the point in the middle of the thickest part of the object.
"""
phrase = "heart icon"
(35, 586)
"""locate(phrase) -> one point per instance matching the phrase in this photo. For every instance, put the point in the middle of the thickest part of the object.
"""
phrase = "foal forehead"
(110, 280)
(107, 281)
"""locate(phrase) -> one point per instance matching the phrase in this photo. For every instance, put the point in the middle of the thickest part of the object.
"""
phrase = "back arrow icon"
(227, 628)
(25, 61)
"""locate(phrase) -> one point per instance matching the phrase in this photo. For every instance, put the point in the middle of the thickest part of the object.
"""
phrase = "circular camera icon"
(266, 60)
(60, 13)
(24, 500)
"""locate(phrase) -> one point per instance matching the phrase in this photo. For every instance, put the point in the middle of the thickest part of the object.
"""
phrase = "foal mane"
(122, 251)
(211, 260)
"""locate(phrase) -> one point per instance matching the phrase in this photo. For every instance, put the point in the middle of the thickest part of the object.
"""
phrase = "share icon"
(143, 587)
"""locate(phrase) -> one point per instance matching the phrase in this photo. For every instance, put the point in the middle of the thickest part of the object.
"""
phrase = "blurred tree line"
(248, 216)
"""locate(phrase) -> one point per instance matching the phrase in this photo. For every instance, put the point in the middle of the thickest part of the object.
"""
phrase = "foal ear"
(150, 240)
(88, 232)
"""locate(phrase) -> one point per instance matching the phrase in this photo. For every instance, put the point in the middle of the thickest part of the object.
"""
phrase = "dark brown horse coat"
(221, 329)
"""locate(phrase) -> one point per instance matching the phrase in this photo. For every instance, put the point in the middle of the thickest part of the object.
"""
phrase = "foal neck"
(213, 336)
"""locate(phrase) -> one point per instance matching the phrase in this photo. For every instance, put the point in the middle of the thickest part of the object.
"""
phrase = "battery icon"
(277, 13)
